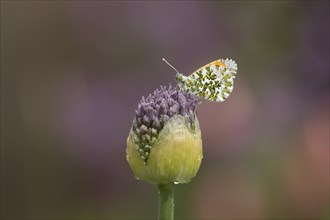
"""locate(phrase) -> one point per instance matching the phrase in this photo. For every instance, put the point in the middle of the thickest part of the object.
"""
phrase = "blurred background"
(73, 72)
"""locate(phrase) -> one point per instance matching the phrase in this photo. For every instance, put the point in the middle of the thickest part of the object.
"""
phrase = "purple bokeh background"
(73, 72)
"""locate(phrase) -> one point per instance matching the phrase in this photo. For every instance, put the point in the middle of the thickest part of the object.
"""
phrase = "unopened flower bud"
(164, 144)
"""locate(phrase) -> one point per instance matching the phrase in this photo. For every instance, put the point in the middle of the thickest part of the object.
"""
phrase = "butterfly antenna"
(170, 65)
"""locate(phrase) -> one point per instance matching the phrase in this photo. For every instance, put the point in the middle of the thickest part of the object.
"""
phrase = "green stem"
(166, 201)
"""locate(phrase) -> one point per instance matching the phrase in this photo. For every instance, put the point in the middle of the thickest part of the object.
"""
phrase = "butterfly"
(213, 82)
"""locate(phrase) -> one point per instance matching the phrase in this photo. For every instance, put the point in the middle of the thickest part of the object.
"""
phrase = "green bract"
(176, 154)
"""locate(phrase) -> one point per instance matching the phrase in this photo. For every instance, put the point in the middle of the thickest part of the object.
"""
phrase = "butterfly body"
(213, 82)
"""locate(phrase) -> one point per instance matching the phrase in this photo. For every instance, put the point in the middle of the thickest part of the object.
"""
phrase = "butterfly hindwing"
(213, 82)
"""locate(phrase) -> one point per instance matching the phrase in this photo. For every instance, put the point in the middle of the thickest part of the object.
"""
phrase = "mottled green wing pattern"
(213, 82)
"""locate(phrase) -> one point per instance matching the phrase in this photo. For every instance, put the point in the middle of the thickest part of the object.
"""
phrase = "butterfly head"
(181, 80)
(179, 77)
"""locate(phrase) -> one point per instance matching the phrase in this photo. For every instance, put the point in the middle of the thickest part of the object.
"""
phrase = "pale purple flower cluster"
(154, 112)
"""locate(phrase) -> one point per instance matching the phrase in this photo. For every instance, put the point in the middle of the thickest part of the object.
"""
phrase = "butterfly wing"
(214, 81)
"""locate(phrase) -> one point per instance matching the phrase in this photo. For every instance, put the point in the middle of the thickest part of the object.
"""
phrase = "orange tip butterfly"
(213, 81)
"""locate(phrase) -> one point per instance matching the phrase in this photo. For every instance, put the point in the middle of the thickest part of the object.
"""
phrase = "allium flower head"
(155, 111)
(164, 144)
